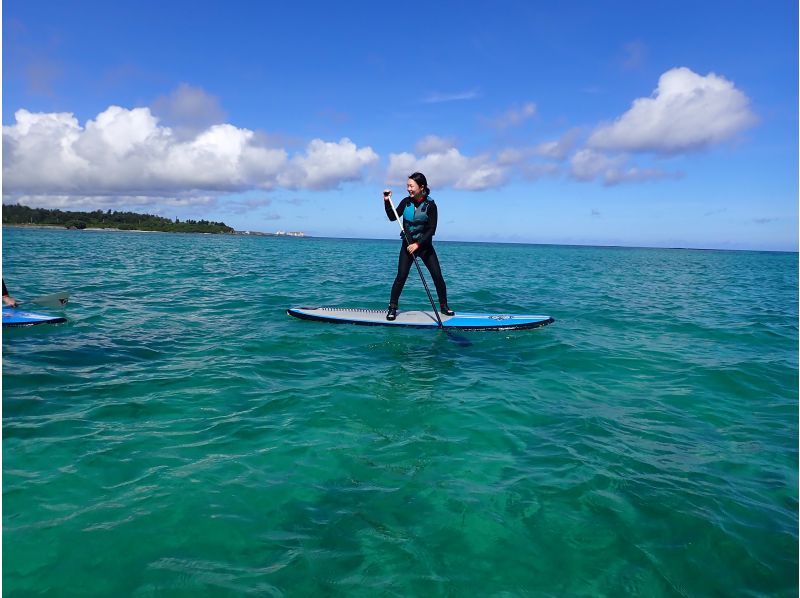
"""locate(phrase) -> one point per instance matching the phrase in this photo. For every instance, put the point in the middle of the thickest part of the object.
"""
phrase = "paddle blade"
(461, 341)
(53, 300)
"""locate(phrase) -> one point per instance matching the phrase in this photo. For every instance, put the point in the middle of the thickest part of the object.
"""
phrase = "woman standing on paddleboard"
(420, 216)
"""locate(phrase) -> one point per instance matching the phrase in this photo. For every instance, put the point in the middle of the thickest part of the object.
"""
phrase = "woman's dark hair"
(420, 180)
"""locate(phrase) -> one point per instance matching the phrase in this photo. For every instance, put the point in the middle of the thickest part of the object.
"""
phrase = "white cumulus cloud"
(527, 162)
(128, 153)
(325, 164)
(588, 165)
(449, 168)
(687, 112)
(559, 148)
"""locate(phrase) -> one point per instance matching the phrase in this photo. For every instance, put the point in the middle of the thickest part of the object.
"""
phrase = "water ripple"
(644, 444)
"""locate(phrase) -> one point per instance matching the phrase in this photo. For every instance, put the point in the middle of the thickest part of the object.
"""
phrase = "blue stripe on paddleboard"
(18, 317)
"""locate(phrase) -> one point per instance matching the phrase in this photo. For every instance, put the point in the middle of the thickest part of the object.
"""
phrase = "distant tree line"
(17, 214)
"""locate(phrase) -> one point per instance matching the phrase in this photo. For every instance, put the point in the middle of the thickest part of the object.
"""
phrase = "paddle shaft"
(416, 263)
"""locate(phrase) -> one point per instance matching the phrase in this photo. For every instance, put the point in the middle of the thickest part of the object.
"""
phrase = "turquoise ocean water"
(181, 435)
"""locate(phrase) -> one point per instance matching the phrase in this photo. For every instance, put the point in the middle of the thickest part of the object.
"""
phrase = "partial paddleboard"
(420, 319)
(13, 316)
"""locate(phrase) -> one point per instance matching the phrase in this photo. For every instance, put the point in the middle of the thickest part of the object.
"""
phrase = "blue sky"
(618, 123)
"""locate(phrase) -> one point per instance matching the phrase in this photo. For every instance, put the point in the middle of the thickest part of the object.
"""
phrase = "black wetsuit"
(419, 224)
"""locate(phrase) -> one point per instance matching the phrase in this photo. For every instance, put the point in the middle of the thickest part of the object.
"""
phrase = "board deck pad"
(420, 319)
(13, 316)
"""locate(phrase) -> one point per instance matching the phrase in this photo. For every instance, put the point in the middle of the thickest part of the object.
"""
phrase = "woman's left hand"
(413, 247)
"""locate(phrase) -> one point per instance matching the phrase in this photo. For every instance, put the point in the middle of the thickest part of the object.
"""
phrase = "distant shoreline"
(114, 230)
(239, 233)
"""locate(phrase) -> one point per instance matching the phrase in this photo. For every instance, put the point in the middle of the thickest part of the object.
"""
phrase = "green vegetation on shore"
(23, 215)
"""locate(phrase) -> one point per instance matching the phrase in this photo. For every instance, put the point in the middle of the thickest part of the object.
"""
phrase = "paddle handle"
(416, 263)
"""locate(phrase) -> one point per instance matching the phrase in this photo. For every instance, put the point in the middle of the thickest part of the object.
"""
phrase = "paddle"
(459, 339)
(52, 300)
